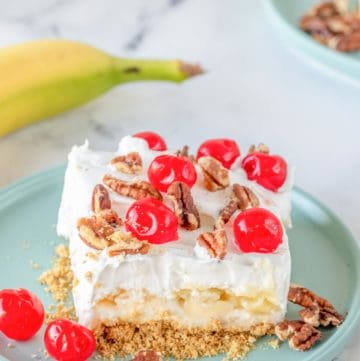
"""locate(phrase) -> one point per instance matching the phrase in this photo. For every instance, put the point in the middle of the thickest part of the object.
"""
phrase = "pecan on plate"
(215, 243)
(242, 198)
(185, 209)
(184, 152)
(301, 335)
(100, 199)
(125, 243)
(136, 190)
(130, 163)
(147, 355)
(94, 231)
(318, 311)
(216, 176)
(261, 148)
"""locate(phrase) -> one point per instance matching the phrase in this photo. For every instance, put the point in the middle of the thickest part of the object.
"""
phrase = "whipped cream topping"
(174, 266)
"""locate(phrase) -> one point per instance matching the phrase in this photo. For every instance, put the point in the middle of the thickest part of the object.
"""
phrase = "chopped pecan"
(111, 217)
(185, 208)
(261, 148)
(125, 243)
(242, 198)
(319, 310)
(130, 163)
(184, 152)
(100, 199)
(216, 176)
(147, 355)
(136, 190)
(333, 25)
(301, 335)
(94, 231)
(245, 197)
(215, 242)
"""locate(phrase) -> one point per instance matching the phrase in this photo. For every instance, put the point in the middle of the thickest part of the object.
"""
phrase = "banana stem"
(129, 70)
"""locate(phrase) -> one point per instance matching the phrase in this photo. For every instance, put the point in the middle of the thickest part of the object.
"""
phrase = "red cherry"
(66, 340)
(257, 230)
(154, 140)
(269, 171)
(224, 150)
(150, 219)
(21, 314)
(164, 170)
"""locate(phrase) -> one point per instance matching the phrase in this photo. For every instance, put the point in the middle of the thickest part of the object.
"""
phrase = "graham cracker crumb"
(10, 345)
(92, 255)
(274, 343)
(59, 281)
(88, 275)
(34, 265)
(168, 338)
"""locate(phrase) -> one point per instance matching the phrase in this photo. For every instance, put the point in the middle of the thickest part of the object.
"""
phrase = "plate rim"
(343, 64)
(10, 192)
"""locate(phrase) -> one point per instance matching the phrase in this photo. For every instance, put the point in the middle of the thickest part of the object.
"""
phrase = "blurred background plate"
(325, 258)
(285, 16)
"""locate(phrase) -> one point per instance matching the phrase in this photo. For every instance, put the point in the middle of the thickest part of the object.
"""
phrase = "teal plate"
(325, 257)
(285, 16)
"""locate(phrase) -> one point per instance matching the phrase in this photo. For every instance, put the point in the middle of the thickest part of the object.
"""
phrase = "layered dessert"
(185, 255)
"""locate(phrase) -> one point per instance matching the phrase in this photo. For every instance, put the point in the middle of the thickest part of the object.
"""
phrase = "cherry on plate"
(66, 340)
(150, 219)
(154, 140)
(224, 150)
(257, 230)
(270, 171)
(164, 170)
(21, 313)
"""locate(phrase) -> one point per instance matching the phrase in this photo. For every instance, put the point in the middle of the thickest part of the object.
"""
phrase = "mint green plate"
(285, 15)
(326, 258)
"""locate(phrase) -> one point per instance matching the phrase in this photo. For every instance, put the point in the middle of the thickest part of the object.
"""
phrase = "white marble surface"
(255, 90)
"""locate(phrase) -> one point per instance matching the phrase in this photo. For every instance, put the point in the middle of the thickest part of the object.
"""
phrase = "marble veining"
(255, 89)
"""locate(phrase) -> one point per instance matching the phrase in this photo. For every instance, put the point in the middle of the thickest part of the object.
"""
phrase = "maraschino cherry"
(150, 219)
(269, 171)
(154, 140)
(223, 149)
(21, 313)
(66, 340)
(164, 170)
(257, 230)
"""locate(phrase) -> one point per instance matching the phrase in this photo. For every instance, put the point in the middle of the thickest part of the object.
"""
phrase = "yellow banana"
(42, 78)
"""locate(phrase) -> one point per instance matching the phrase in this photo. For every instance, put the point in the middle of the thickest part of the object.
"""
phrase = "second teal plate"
(285, 15)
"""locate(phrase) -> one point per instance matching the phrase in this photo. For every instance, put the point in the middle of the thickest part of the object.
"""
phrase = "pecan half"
(125, 243)
(215, 242)
(130, 163)
(136, 190)
(216, 176)
(301, 335)
(261, 148)
(185, 209)
(147, 355)
(100, 199)
(318, 310)
(184, 152)
(242, 198)
(94, 231)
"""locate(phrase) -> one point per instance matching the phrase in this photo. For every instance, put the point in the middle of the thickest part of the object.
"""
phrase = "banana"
(42, 78)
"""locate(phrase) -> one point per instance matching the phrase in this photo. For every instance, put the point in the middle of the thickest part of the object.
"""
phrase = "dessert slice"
(187, 257)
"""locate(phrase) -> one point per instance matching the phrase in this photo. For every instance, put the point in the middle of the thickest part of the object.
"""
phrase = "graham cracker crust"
(166, 337)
